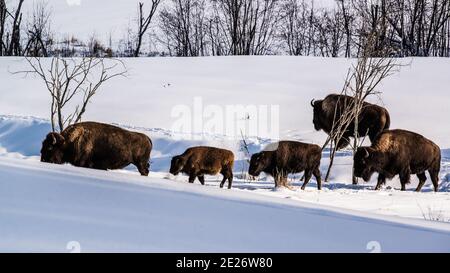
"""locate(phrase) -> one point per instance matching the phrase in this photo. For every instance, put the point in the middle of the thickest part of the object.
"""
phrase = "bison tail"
(437, 163)
(231, 163)
(387, 123)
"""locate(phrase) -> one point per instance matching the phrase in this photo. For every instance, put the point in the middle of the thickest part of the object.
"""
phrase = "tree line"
(246, 27)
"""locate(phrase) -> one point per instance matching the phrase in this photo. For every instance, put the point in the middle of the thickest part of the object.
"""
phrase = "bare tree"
(3, 13)
(330, 34)
(184, 26)
(144, 23)
(38, 31)
(218, 42)
(14, 46)
(96, 49)
(407, 27)
(72, 83)
(348, 25)
(10, 22)
(296, 26)
(361, 83)
(247, 26)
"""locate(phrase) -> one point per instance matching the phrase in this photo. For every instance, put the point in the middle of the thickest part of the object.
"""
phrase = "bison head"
(177, 165)
(366, 162)
(259, 162)
(53, 149)
(318, 114)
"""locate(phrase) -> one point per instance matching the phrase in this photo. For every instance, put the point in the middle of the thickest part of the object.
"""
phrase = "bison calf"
(98, 146)
(402, 153)
(289, 157)
(201, 161)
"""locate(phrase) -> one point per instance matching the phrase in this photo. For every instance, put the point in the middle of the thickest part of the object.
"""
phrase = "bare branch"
(72, 83)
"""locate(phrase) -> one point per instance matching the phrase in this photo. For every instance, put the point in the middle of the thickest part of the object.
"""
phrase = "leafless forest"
(244, 27)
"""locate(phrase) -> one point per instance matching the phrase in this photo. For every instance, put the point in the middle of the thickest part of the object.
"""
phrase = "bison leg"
(276, 178)
(343, 142)
(381, 182)
(201, 178)
(308, 174)
(318, 177)
(227, 175)
(192, 178)
(422, 178)
(230, 179)
(281, 178)
(405, 178)
(143, 168)
(435, 178)
(223, 181)
(285, 182)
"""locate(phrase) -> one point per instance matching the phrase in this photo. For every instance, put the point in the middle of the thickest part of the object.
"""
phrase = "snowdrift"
(49, 208)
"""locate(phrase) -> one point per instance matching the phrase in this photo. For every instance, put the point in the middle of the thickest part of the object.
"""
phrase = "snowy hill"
(48, 208)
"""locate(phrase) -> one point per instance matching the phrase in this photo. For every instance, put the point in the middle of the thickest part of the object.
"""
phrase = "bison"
(289, 157)
(399, 152)
(373, 119)
(98, 146)
(200, 161)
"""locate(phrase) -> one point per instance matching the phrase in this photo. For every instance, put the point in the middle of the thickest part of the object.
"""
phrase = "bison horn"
(366, 155)
(312, 103)
(53, 139)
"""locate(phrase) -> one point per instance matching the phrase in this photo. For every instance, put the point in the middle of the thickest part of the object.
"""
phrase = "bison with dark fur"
(288, 157)
(98, 146)
(373, 119)
(402, 153)
(200, 161)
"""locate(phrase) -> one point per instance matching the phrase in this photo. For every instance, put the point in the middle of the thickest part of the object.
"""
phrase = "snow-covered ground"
(43, 206)
(49, 208)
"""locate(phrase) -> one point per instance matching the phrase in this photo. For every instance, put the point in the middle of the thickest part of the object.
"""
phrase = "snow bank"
(22, 135)
(47, 208)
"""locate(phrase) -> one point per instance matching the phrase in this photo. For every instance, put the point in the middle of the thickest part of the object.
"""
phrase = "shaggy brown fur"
(98, 146)
(399, 152)
(373, 119)
(289, 157)
(200, 161)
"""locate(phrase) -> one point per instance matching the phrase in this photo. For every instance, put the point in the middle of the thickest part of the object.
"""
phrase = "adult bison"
(98, 146)
(399, 152)
(200, 161)
(288, 157)
(373, 119)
